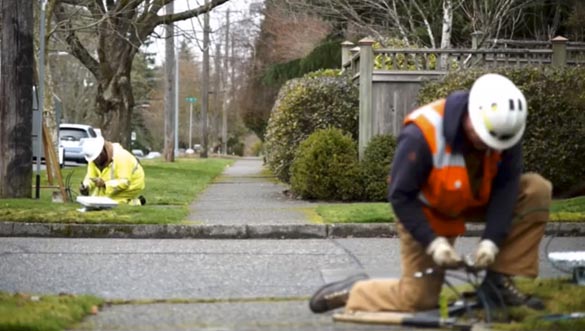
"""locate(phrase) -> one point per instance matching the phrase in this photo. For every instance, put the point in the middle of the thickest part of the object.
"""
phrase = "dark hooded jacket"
(413, 163)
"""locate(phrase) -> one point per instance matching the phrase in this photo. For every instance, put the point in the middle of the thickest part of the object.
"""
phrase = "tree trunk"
(446, 31)
(115, 103)
(16, 82)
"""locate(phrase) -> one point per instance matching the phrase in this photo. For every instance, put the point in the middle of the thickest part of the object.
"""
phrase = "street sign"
(191, 99)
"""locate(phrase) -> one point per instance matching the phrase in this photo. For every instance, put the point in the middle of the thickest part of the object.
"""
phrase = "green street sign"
(191, 99)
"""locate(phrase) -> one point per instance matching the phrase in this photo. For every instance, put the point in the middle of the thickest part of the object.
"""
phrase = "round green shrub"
(326, 167)
(375, 166)
(554, 141)
(316, 101)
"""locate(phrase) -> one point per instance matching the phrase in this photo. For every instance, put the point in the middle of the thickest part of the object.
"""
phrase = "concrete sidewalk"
(243, 194)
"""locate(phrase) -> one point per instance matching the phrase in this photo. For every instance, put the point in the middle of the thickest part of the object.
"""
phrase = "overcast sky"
(192, 29)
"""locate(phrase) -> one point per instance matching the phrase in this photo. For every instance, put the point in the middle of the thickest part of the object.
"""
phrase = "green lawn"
(560, 295)
(561, 210)
(170, 187)
(44, 313)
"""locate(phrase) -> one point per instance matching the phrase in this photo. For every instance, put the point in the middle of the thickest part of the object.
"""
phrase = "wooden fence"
(389, 79)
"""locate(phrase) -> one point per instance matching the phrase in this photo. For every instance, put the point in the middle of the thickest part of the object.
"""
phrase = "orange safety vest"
(447, 192)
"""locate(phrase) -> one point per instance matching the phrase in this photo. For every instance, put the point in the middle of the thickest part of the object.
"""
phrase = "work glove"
(83, 190)
(485, 254)
(99, 182)
(443, 253)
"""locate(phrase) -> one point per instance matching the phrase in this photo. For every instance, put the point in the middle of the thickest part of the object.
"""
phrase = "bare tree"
(383, 18)
(121, 27)
(492, 17)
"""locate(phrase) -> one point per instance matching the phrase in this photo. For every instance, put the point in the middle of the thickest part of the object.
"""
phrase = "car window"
(70, 134)
(92, 133)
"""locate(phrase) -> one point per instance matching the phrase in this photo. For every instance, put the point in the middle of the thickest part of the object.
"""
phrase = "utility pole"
(205, 83)
(40, 100)
(233, 71)
(176, 101)
(216, 92)
(224, 128)
(190, 125)
(16, 86)
(170, 88)
(191, 101)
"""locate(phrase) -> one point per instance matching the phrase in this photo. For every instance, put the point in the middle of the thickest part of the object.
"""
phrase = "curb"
(251, 231)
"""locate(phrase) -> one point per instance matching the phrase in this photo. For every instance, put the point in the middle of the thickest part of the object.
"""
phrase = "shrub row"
(553, 143)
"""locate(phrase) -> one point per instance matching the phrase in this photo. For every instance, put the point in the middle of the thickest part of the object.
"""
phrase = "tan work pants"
(518, 256)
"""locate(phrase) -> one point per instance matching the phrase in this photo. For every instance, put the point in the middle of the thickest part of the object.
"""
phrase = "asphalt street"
(239, 277)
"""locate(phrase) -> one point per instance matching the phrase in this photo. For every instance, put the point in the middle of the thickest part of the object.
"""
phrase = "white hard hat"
(92, 147)
(498, 110)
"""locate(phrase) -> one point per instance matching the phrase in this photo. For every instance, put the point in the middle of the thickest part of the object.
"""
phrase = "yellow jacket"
(124, 177)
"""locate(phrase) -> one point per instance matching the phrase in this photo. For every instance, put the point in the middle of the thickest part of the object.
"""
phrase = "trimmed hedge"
(324, 56)
(326, 167)
(316, 101)
(375, 166)
(554, 141)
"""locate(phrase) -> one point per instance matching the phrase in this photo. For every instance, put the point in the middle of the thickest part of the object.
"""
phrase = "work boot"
(501, 291)
(333, 295)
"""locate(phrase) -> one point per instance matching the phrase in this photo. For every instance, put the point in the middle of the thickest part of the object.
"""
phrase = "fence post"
(365, 114)
(475, 38)
(559, 48)
(346, 47)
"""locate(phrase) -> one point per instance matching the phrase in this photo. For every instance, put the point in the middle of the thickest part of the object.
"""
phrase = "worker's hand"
(485, 254)
(83, 190)
(443, 253)
(99, 182)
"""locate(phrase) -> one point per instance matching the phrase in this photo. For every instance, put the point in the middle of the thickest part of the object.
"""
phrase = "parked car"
(138, 153)
(153, 155)
(71, 138)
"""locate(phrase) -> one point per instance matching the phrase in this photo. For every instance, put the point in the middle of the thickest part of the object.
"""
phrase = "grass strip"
(560, 295)
(170, 188)
(568, 210)
(44, 313)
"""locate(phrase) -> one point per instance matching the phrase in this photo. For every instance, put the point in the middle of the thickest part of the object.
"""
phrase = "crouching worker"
(458, 159)
(112, 172)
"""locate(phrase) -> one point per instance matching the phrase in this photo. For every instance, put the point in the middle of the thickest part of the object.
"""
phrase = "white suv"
(71, 137)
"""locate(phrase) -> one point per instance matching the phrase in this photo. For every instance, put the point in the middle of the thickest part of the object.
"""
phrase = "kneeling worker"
(113, 172)
(458, 159)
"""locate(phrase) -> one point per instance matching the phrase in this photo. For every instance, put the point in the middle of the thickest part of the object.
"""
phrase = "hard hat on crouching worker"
(497, 110)
(92, 148)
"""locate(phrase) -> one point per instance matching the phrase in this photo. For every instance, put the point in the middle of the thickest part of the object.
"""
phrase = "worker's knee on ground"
(536, 190)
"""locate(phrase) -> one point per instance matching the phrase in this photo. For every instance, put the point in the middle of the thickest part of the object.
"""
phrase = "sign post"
(191, 101)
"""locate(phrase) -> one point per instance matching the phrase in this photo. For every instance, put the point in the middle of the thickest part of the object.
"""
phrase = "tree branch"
(166, 19)
(75, 45)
